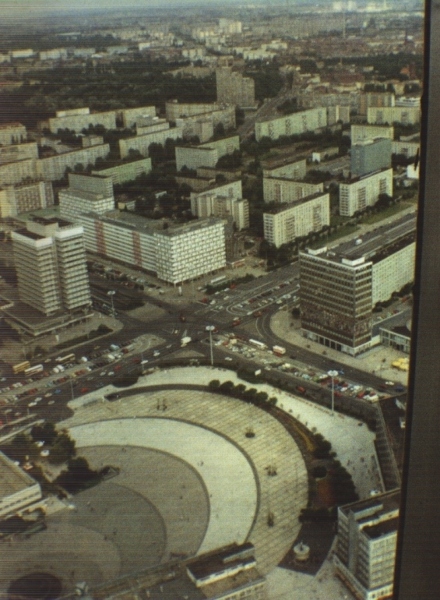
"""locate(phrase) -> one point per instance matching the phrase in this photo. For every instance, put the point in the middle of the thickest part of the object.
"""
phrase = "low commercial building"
(340, 287)
(126, 171)
(358, 193)
(286, 223)
(143, 142)
(293, 124)
(369, 156)
(50, 260)
(366, 545)
(24, 197)
(281, 190)
(19, 492)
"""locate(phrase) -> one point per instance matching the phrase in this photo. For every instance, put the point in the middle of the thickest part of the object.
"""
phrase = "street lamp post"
(111, 293)
(333, 373)
(210, 328)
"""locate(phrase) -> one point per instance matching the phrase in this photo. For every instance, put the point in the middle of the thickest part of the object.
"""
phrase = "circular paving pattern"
(189, 481)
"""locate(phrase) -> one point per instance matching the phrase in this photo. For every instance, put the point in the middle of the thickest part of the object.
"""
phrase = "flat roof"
(382, 528)
(375, 505)
(12, 478)
(373, 242)
(286, 205)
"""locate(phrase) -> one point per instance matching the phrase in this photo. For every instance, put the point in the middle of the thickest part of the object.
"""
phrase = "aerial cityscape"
(208, 241)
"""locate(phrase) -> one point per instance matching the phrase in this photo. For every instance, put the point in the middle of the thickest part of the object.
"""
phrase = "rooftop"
(374, 507)
(9, 125)
(382, 528)
(12, 478)
(288, 205)
(372, 245)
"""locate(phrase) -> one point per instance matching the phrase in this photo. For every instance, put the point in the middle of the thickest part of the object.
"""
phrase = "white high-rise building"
(50, 261)
(86, 193)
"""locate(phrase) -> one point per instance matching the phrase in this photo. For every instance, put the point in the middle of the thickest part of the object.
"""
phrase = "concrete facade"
(280, 190)
(50, 261)
(15, 152)
(369, 156)
(212, 204)
(296, 123)
(25, 197)
(366, 545)
(18, 490)
(407, 115)
(285, 224)
(54, 167)
(294, 170)
(12, 133)
(86, 193)
(361, 192)
(233, 88)
(126, 171)
(143, 142)
(205, 155)
(79, 121)
(359, 133)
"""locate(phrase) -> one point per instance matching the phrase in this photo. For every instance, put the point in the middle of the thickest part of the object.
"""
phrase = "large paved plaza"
(189, 480)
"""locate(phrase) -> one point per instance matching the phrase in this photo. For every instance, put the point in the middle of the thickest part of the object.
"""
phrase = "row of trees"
(239, 390)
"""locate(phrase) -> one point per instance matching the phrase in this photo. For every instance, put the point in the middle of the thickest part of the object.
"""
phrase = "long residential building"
(216, 113)
(205, 155)
(407, 115)
(54, 167)
(281, 190)
(24, 197)
(295, 123)
(360, 133)
(175, 254)
(50, 260)
(286, 223)
(79, 121)
(126, 171)
(366, 545)
(355, 195)
(143, 142)
(15, 152)
(340, 287)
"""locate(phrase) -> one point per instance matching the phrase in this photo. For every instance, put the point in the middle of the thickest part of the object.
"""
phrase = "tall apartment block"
(24, 197)
(360, 192)
(285, 223)
(300, 122)
(280, 190)
(86, 193)
(369, 156)
(233, 88)
(211, 204)
(376, 100)
(366, 545)
(340, 287)
(50, 261)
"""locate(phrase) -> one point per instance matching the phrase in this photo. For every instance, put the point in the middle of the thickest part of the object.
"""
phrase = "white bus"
(257, 344)
(33, 370)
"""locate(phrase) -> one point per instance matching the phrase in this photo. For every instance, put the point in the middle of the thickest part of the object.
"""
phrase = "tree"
(44, 433)
(62, 449)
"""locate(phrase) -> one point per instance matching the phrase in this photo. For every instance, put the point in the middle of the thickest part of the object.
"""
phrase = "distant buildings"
(358, 193)
(293, 124)
(205, 155)
(50, 261)
(340, 287)
(286, 223)
(406, 115)
(233, 88)
(366, 545)
(370, 155)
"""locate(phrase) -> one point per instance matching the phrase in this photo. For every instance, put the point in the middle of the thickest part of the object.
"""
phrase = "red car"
(84, 390)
